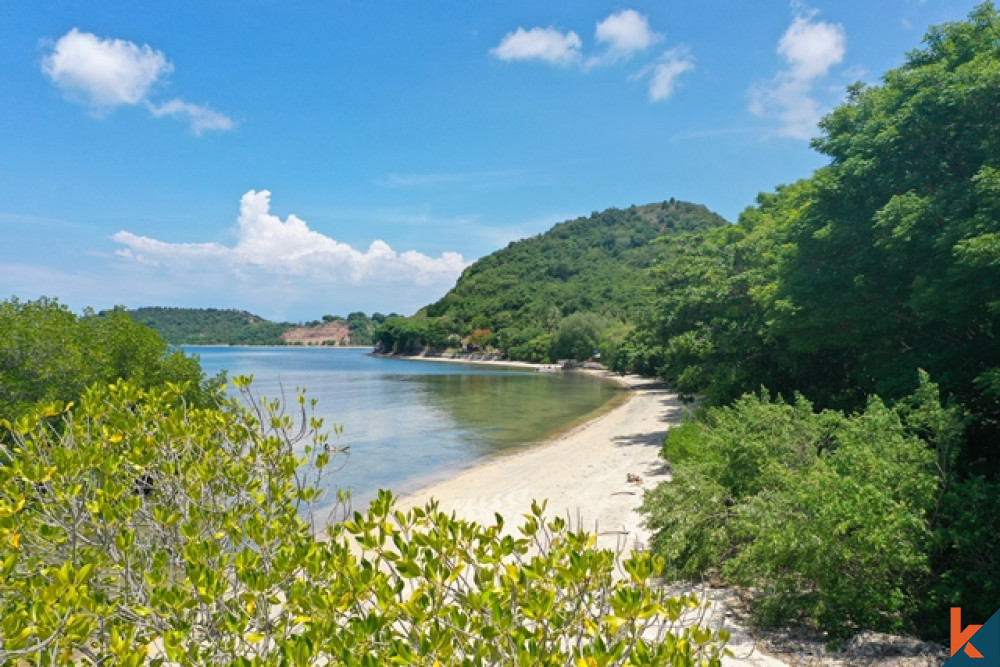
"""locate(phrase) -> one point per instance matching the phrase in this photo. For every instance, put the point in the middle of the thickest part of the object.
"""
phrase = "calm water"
(412, 422)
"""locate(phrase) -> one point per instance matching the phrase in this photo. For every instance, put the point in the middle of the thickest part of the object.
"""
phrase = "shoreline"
(280, 346)
(478, 360)
(593, 474)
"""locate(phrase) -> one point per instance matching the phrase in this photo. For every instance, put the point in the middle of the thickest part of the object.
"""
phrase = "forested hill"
(590, 264)
(210, 326)
(591, 269)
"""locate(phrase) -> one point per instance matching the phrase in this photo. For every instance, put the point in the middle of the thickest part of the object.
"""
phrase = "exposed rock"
(327, 333)
(865, 648)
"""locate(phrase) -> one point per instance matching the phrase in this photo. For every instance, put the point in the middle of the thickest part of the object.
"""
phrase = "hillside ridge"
(517, 299)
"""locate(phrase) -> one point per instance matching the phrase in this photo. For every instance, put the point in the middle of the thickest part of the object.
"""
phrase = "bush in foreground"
(138, 529)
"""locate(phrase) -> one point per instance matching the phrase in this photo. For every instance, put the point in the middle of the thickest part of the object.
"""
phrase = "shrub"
(827, 516)
(143, 529)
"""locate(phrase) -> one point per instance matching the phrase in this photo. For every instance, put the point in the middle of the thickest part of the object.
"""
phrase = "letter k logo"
(960, 637)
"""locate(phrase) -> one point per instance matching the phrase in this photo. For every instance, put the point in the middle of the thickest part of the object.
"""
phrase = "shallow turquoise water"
(411, 422)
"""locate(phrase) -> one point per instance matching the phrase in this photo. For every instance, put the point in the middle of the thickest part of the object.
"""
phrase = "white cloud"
(103, 72)
(201, 118)
(107, 73)
(624, 34)
(268, 247)
(810, 48)
(545, 44)
(664, 73)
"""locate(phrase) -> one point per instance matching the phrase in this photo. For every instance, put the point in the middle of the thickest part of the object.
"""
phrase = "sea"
(408, 423)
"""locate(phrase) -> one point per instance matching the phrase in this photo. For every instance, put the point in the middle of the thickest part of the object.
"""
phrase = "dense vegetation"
(50, 354)
(828, 517)
(845, 286)
(518, 298)
(154, 519)
(210, 326)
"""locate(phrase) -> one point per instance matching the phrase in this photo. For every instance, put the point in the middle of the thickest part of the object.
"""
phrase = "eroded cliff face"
(327, 333)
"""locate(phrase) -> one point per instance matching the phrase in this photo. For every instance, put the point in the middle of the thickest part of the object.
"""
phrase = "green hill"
(210, 326)
(588, 273)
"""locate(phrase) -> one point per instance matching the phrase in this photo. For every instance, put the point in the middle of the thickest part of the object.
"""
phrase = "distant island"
(213, 326)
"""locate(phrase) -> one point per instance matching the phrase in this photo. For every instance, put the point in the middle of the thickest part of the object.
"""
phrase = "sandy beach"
(583, 474)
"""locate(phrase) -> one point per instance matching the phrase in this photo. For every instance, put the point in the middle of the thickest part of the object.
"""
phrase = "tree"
(362, 328)
(895, 255)
(208, 326)
(596, 264)
(51, 354)
(578, 336)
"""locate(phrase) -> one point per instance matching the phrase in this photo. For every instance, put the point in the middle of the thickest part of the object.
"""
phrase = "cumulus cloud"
(624, 34)
(545, 44)
(107, 73)
(103, 72)
(663, 75)
(266, 247)
(810, 48)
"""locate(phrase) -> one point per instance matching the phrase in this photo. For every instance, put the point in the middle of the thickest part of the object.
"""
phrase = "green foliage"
(841, 287)
(533, 344)
(640, 352)
(402, 335)
(211, 326)
(51, 354)
(145, 530)
(578, 336)
(612, 343)
(596, 265)
(362, 328)
(891, 269)
(708, 333)
(966, 554)
(828, 516)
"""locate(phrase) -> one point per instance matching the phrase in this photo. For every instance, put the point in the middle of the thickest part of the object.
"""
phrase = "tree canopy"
(881, 266)
(51, 354)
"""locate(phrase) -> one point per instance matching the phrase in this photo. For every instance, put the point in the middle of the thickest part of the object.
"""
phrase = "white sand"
(582, 474)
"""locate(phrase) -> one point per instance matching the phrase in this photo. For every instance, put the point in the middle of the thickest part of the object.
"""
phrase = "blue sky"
(302, 158)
